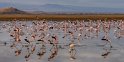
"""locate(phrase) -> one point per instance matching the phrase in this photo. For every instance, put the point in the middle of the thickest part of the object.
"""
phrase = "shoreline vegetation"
(9, 17)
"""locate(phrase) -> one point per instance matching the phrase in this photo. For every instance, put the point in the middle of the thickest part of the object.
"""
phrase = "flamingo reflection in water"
(27, 55)
(42, 49)
(107, 52)
(72, 50)
(54, 52)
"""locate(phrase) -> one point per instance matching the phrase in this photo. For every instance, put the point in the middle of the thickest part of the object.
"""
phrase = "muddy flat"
(60, 17)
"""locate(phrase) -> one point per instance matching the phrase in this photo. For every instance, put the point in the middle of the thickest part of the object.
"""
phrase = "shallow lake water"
(49, 41)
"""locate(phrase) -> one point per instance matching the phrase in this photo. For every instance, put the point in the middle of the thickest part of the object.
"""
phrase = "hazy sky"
(86, 3)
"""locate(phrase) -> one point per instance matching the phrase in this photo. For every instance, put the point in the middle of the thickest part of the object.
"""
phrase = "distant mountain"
(36, 12)
(11, 10)
(63, 8)
(78, 9)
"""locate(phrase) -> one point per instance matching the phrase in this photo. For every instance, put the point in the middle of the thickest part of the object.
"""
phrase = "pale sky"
(86, 3)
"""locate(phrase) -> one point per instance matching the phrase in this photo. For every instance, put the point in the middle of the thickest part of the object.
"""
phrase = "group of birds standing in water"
(58, 35)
